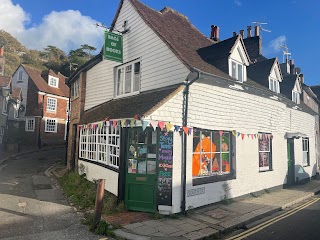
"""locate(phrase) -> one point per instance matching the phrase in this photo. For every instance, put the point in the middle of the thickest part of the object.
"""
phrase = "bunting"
(154, 124)
(144, 124)
(161, 125)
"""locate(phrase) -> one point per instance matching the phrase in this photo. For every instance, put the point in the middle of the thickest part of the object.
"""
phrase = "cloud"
(65, 30)
(238, 3)
(274, 46)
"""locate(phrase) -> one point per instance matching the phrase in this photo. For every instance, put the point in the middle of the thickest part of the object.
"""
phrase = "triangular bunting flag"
(137, 117)
(239, 134)
(190, 131)
(176, 128)
(186, 130)
(144, 124)
(255, 135)
(161, 125)
(111, 123)
(128, 122)
(242, 136)
(132, 122)
(220, 133)
(248, 135)
(123, 123)
(234, 132)
(154, 124)
(80, 126)
(169, 126)
(115, 122)
(252, 136)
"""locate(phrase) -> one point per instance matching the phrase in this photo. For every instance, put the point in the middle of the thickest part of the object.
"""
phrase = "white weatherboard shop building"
(179, 123)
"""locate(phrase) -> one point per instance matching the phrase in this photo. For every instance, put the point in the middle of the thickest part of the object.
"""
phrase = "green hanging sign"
(113, 47)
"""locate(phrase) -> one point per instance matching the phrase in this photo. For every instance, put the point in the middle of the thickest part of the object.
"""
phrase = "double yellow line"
(271, 221)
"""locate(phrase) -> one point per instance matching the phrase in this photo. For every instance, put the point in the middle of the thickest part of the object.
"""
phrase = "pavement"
(218, 219)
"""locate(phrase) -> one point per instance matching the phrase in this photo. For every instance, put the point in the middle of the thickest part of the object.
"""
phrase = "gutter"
(187, 83)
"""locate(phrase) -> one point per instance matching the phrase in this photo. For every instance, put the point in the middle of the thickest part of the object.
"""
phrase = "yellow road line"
(271, 221)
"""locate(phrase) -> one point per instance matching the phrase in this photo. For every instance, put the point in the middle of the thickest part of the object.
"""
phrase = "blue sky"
(68, 23)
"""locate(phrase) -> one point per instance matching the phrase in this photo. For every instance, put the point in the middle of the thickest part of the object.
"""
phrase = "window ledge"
(306, 165)
(100, 164)
(213, 179)
(262, 171)
(127, 94)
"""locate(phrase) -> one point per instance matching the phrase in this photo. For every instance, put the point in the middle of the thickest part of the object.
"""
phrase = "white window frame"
(48, 125)
(101, 145)
(296, 97)
(53, 81)
(75, 89)
(50, 106)
(5, 105)
(274, 85)
(120, 84)
(305, 152)
(20, 76)
(269, 166)
(2, 129)
(237, 64)
(30, 124)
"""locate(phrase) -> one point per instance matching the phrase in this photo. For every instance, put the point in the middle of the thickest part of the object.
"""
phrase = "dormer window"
(296, 97)
(127, 78)
(274, 85)
(53, 81)
(237, 71)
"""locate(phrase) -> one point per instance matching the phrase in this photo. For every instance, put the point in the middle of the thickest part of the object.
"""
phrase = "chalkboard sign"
(165, 157)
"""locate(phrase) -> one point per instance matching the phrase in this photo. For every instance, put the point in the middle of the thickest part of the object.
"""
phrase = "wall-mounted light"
(5, 92)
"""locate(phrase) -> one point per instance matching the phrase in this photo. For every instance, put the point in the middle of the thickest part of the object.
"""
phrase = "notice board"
(165, 161)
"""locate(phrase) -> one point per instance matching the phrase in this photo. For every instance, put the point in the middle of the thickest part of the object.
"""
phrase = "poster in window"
(263, 159)
(132, 166)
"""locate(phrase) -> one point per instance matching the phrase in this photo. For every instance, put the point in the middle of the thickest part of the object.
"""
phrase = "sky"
(67, 24)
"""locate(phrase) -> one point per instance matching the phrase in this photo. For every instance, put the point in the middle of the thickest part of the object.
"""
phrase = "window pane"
(263, 159)
(142, 167)
(274, 86)
(225, 162)
(240, 75)
(136, 86)
(264, 145)
(128, 79)
(119, 83)
(151, 167)
(196, 141)
(216, 162)
(234, 73)
(216, 141)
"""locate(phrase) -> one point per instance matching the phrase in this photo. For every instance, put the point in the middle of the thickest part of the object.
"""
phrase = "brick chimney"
(242, 33)
(291, 63)
(256, 31)
(214, 33)
(2, 51)
(249, 31)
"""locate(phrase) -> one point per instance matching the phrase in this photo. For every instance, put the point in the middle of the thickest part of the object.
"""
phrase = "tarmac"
(218, 219)
(208, 221)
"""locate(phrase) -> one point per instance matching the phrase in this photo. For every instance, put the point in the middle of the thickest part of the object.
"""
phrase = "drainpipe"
(68, 127)
(187, 83)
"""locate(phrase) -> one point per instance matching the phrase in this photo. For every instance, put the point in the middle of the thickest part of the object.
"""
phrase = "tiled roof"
(42, 85)
(310, 92)
(127, 107)
(287, 85)
(260, 71)
(16, 93)
(4, 81)
(316, 90)
(179, 35)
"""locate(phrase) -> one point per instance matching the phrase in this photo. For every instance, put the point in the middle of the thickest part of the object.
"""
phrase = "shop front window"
(212, 153)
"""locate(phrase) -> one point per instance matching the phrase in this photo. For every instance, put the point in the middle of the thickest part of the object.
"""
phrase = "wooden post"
(99, 201)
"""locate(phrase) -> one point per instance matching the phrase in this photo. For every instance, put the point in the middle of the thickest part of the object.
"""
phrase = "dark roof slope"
(42, 85)
(287, 85)
(260, 71)
(4, 81)
(310, 92)
(316, 90)
(143, 104)
(179, 35)
(254, 48)
(217, 54)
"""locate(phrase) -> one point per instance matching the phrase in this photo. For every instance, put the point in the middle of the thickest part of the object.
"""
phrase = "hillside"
(50, 58)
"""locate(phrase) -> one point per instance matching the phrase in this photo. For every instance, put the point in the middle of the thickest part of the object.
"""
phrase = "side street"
(171, 128)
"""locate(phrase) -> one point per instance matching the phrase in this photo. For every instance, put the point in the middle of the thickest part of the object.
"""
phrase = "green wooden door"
(141, 169)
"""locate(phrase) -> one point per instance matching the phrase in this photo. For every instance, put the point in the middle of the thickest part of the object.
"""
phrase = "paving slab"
(49, 195)
(206, 232)
(167, 229)
(37, 180)
(145, 230)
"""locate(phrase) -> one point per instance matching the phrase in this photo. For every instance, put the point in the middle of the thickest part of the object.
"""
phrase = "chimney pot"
(234, 34)
(291, 62)
(214, 33)
(242, 33)
(292, 66)
(249, 31)
(256, 31)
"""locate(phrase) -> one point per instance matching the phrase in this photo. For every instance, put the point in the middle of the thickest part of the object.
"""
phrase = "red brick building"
(46, 99)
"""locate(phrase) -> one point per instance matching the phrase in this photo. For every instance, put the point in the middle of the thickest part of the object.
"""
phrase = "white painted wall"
(24, 86)
(216, 108)
(95, 172)
(159, 65)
